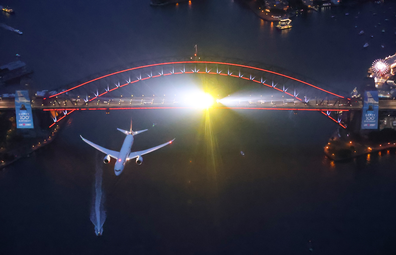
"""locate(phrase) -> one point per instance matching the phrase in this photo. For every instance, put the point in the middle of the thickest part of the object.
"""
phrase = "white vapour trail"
(98, 213)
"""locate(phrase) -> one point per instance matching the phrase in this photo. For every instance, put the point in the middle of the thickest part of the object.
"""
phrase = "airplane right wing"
(113, 154)
(135, 154)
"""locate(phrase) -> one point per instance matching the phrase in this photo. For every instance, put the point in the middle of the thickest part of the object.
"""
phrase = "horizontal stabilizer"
(138, 132)
(123, 131)
(131, 132)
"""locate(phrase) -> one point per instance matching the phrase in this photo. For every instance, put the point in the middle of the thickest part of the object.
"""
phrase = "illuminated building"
(383, 73)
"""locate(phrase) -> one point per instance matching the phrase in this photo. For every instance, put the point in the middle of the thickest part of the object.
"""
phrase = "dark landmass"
(14, 144)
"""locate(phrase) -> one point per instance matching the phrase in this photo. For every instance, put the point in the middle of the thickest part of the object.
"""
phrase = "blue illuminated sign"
(24, 117)
(370, 110)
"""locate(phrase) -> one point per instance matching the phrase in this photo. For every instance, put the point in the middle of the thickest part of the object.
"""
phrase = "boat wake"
(10, 28)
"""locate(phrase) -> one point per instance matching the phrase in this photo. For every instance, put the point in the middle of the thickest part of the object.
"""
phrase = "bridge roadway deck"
(170, 103)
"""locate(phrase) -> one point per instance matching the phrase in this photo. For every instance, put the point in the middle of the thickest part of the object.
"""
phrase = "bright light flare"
(380, 67)
(200, 100)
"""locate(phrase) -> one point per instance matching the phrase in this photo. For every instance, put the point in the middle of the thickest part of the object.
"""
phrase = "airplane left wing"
(135, 154)
(111, 153)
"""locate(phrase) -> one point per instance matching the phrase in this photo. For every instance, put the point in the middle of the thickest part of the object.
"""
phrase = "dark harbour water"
(199, 195)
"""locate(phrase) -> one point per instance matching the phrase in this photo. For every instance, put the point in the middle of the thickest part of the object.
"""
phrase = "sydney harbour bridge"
(102, 91)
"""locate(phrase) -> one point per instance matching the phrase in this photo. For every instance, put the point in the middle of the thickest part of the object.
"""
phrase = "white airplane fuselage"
(123, 156)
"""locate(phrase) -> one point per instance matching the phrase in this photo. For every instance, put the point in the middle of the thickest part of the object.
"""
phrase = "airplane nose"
(117, 172)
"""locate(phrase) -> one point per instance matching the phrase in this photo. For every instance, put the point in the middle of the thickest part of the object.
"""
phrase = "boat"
(365, 45)
(361, 32)
(7, 10)
(284, 24)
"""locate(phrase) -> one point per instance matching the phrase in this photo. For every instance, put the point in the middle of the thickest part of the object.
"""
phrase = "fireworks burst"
(380, 67)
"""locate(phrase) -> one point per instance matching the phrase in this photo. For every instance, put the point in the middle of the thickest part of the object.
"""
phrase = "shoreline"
(263, 15)
(51, 135)
(342, 150)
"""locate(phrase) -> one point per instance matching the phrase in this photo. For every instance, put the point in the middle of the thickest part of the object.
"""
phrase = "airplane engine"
(139, 160)
(106, 159)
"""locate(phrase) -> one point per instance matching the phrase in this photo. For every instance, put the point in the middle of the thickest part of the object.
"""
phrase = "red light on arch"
(198, 62)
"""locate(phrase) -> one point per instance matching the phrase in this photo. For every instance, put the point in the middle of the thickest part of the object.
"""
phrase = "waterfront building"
(274, 5)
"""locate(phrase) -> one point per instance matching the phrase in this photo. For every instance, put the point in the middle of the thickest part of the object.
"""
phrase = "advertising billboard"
(23, 109)
(370, 110)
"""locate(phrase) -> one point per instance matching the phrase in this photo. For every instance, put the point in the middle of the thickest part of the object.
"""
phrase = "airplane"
(125, 153)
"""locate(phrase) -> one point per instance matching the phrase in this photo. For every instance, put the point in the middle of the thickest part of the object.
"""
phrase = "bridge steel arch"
(197, 67)
(155, 70)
